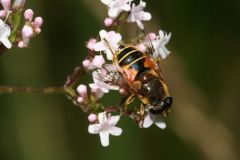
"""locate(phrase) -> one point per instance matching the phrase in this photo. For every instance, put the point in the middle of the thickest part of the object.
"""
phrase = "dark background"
(202, 73)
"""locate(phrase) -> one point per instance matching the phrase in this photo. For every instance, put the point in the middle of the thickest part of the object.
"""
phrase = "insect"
(140, 75)
(144, 79)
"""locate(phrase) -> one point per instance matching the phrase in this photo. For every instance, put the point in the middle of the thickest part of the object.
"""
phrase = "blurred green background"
(202, 73)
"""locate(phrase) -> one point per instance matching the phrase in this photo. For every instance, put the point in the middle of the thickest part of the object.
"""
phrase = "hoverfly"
(141, 76)
(145, 80)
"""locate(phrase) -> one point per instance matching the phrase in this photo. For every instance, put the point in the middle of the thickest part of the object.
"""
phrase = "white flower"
(96, 62)
(159, 45)
(4, 34)
(105, 77)
(105, 127)
(137, 14)
(96, 90)
(109, 43)
(117, 6)
(150, 119)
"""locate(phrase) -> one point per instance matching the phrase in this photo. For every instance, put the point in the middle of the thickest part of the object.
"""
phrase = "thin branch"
(30, 90)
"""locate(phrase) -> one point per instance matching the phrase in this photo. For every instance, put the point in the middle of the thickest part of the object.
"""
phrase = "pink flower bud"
(91, 43)
(18, 4)
(6, 4)
(92, 117)
(86, 63)
(27, 32)
(37, 30)
(151, 36)
(2, 13)
(28, 15)
(82, 90)
(21, 44)
(38, 21)
(80, 100)
(108, 22)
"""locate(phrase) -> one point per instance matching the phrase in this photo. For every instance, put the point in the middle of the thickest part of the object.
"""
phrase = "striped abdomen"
(131, 58)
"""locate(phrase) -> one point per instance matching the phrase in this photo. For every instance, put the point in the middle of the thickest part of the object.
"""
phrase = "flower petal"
(113, 12)
(140, 25)
(106, 2)
(126, 7)
(147, 121)
(104, 138)
(168, 37)
(100, 46)
(146, 16)
(98, 61)
(115, 131)
(93, 128)
(113, 120)
(164, 52)
(109, 54)
(161, 124)
(102, 117)
(6, 42)
(161, 34)
(103, 34)
(4, 34)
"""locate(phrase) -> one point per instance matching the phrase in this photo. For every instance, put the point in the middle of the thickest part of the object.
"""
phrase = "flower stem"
(31, 90)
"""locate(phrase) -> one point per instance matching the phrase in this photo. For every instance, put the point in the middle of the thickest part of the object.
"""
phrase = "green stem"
(31, 90)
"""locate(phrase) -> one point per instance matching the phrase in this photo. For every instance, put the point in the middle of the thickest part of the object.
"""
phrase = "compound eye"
(167, 102)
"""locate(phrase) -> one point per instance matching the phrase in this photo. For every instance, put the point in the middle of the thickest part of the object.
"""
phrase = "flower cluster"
(134, 13)
(30, 29)
(107, 74)
(11, 31)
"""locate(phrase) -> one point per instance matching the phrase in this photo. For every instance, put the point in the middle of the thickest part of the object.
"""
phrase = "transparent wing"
(146, 41)
(151, 51)
(156, 44)
(108, 77)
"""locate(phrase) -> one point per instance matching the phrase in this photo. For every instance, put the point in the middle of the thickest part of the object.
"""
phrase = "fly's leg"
(142, 111)
(127, 100)
(141, 115)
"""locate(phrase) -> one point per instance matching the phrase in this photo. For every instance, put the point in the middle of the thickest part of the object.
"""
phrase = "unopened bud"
(21, 44)
(108, 22)
(92, 117)
(2, 13)
(86, 63)
(18, 4)
(37, 30)
(6, 4)
(38, 21)
(80, 100)
(28, 15)
(82, 90)
(27, 32)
